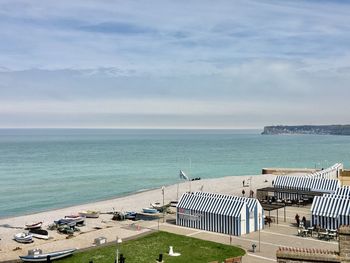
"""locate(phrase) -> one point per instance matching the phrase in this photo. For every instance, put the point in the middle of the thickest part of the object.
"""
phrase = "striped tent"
(343, 191)
(330, 172)
(254, 208)
(213, 213)
(330, 211)
(304, 184)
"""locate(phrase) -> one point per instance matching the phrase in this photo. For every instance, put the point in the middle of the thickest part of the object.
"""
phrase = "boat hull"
(23, 238)
(43, 257)
(39, 233)
(34, 226)
(89, 214)
(150, 210)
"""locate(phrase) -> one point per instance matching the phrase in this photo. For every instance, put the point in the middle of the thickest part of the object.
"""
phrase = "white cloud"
(247, 61)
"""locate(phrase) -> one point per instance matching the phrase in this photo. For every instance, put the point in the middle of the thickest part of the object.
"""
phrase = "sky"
(173, 64)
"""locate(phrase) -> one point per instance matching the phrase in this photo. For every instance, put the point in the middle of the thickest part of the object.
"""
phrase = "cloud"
(256, 60)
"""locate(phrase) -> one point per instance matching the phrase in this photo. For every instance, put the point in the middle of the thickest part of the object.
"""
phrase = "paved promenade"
(282, 234)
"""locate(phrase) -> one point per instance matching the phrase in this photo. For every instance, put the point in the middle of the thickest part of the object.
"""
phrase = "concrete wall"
(283, 171)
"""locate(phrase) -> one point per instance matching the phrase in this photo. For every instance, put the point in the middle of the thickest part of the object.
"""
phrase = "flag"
(183, 175)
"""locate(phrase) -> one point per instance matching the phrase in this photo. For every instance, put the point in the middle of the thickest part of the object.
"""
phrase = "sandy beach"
(104, 226)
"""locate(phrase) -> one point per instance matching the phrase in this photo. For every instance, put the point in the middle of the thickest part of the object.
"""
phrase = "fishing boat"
(130, 215)
(51, 255)
(35, 225)
(157, 205)
(23, 237)
(90, 214)
(150, 210)
(80, 220)
(39, 233)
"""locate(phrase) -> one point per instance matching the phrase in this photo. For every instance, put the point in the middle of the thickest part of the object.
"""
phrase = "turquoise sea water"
(41, 169)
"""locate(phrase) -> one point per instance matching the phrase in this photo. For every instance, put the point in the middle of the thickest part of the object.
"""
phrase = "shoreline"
(80, 204)
(104, 225)
(116, 197)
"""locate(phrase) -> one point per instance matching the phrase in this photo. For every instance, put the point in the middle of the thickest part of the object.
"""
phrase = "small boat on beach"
(130, 215)
(157, 205)
(23, 237)
(51, 255)
(160, 207)
(79, 220)
(39, 233)
(35, 225)
(90, 214)
(150, 210)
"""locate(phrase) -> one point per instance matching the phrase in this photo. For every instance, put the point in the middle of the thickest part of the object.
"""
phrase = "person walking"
(297, 218)
(243, 192)
(243, 183)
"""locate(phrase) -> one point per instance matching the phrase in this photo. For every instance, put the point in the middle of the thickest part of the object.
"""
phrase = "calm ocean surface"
(51, 168)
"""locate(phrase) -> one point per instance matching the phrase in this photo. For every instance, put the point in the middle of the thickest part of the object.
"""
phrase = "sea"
(44, 169)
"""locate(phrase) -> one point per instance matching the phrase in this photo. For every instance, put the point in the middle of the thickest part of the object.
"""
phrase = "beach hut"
(254, 210)
(218, 213)
(330, 211)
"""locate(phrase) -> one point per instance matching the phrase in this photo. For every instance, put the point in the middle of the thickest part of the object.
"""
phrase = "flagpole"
(189, 177)
(177, 193)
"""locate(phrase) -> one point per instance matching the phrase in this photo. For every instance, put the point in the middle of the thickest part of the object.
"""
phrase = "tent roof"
(211, 204)
(307, 183)
(330, 206)
(251, 202)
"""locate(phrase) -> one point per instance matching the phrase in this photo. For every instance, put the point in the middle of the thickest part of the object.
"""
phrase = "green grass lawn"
(147, 249)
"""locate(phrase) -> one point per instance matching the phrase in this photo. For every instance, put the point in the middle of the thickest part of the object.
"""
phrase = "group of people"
(302, 222)
(251, 193)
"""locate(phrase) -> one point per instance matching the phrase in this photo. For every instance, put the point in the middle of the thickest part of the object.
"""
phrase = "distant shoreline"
(307, 129)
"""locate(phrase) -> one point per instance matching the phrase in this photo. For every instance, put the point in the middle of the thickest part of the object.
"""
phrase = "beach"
(104, 226)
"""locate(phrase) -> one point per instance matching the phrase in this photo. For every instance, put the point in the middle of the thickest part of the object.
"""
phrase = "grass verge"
(147, 249)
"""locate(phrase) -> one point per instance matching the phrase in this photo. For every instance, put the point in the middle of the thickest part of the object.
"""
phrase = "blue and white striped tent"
(214, 213)
(304, 184)
(343, 191)
(331, 211)
(254, 209)
(330, 172)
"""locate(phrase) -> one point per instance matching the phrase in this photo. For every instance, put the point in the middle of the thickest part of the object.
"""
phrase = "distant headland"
(308, 129)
